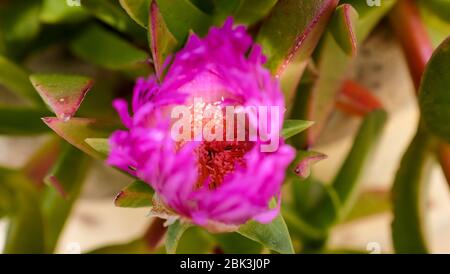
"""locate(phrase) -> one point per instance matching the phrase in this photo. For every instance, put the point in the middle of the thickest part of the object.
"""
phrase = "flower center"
(219, 158)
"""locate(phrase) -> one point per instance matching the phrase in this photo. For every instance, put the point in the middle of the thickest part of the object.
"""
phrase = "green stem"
(408, 195)
(346, 182)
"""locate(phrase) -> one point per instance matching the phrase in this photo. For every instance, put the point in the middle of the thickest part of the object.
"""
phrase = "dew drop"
(65, 117)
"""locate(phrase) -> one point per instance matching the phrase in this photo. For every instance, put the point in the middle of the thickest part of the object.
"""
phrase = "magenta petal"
(121, 107)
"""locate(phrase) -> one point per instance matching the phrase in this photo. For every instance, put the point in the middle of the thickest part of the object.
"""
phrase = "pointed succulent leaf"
(174, 234)
(62, 93)
(293, 29)
(370, 203)
(196, 240)
(137, 10)
(162, 42)
(274, 235)
(77, 130)
(303, 162)
(343, 29)
(137, 194)
(316, 204)
(294, 127)
(101, 145)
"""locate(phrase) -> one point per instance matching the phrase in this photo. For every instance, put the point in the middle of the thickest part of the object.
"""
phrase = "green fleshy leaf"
(101, 145)
(289, 36)
(251, 11)
(174, 233)
(57, 11)
(293, 30)
(19, 24)
(409, 196)
(342, 27)
(162, 42)
(369, 16)
(347, 181)
(137, 10)
(440, 8)
(299, 228)
(77, 130)
(294, 127)
(15, 79)
(298, 107)
(181, 16)
(301, 166)
(137, 194)
(437, 28)
(112, 14)
(22, 121)
(64, 185)
(370, 203)
(62, 93)
(109, 51)
(434, 96)
(196, 240)
(274, 235)
(311, 198)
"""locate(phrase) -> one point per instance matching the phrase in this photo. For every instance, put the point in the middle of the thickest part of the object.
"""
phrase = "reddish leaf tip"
(119, 195)
(303, 168)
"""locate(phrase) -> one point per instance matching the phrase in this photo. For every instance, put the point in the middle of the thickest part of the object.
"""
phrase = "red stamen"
(218, 158)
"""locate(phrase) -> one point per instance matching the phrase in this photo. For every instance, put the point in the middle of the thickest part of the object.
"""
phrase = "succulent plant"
(67, 66)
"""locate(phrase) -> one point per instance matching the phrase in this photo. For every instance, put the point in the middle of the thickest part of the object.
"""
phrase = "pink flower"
(206, 182)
